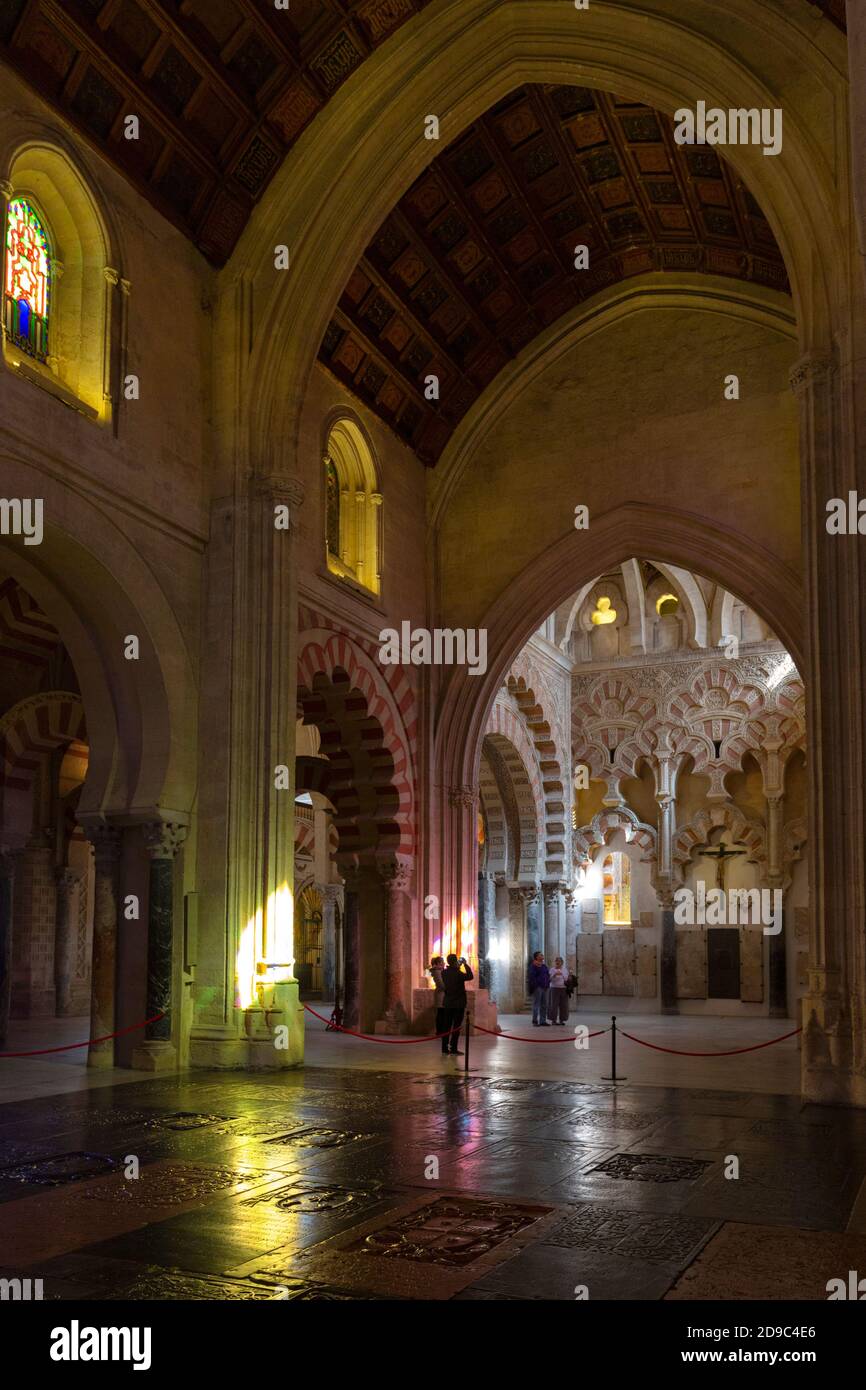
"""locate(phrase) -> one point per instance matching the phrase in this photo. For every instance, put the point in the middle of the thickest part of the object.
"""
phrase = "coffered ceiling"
(478, 257)
(222, 88)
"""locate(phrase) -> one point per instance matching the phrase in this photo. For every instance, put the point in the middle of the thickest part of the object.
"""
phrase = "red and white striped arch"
(323, 652)
(37, 726)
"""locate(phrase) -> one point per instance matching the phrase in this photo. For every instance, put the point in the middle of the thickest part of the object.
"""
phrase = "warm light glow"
(668, 603)
(265, 954)
(604, 613)
(459, 939)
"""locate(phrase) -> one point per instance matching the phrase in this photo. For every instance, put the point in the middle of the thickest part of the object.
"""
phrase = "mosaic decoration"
(652, 1168)
(451, 1231)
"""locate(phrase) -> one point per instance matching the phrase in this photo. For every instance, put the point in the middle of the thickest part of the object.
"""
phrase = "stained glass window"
(333, 507)
(27, 282)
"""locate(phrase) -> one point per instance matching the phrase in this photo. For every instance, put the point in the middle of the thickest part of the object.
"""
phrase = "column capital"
(332, 892)
(106, 841)
(523, 892)
(163, 839)
(465, 796)
(6, 189)
(551, 889)
(396, 876)
(112, 276)
(281, 487)
(809, 372)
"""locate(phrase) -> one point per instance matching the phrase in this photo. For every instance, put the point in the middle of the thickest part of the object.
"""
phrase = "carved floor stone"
(636, 1167)
(668, 1239)
(172, 1184)
(319, 1137)
(57, 1169)
(618, 1119)
(312, 1198)
(450, 1231)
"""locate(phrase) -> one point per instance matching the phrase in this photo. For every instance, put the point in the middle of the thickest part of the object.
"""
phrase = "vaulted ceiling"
(222, 88)
(478, 257)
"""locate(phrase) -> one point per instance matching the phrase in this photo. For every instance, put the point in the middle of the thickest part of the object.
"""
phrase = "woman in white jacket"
(557, 1009)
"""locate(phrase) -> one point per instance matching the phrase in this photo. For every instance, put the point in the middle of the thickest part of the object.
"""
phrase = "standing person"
(539, 985)
(437, 965)
(558, 1008)
(454, 978)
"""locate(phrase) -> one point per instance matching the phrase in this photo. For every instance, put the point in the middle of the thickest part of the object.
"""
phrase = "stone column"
(552, 896)
(830, 395)
(7, 888)
(777, 963)
(66, 940)
(534, 924)
(573, 914)
(352, 958)
(499, 942)
(106, 842)
(332, 963)
(162, 840)
(668, 954)
(245, 939)
(396, 878)
(486, 928)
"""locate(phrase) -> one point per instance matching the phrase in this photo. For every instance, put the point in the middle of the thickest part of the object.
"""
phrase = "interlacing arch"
(742, 830)
(365, 741)
(604, 825)
(543, 736)
(37, 726)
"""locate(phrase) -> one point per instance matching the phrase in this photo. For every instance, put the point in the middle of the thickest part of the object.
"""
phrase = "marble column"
(534, 925)
(352, 955)
(397, 878)
(66, 940)
(573, 914)
(332, 958)
(668, 961)
(777, 964)
(552, 897)
(162, 841)
(499, 943)
(7, 888)
(486, 928)
(106, 842)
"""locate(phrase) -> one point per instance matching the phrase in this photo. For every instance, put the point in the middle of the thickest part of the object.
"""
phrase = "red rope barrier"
(375, 1037)
(518, 1037)
(733, 1053)
(69, 1047)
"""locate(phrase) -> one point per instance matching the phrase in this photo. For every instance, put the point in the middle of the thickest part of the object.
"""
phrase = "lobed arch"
(459, 58)
(604, 826)
(697, 831)
(538, 727)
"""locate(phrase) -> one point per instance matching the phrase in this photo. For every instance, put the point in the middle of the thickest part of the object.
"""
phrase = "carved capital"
(106, 841)
(810, 372)
(552, 890)
(6, 189)
(163, 839)
(464, 796)
(112, 276)
(396, 876)
(281, 488)
(524, 893)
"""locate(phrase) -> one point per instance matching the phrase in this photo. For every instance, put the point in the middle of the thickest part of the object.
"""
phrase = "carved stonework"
(464, 796)
(163, 839)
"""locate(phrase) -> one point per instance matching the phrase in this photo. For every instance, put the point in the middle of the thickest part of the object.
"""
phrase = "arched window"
(27, 280)
(353, 507)
(616, 889)
(667, 603)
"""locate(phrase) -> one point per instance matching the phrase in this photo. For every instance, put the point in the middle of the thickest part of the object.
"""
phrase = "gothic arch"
(466, 55)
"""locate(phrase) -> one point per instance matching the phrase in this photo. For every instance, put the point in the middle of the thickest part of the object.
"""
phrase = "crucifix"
(721, 856)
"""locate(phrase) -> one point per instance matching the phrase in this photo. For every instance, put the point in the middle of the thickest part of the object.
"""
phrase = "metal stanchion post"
(613, 1076)
(466, 1055)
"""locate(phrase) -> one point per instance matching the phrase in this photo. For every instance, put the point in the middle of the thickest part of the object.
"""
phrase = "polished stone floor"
(341, 1182)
